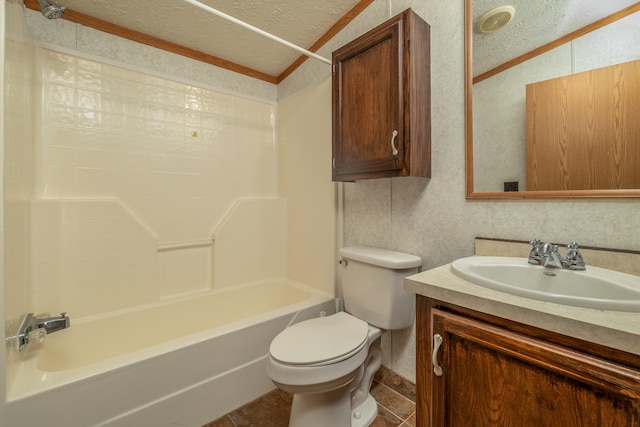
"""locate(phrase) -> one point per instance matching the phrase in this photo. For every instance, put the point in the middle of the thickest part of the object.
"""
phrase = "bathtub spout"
(35, 329)
(53, 324)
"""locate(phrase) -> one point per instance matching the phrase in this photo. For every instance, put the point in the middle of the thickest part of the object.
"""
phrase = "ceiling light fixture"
(495, 19)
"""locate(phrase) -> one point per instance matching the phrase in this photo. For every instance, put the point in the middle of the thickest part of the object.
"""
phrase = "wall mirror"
(552, 99)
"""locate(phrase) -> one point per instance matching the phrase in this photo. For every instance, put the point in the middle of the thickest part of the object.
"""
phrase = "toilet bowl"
(325, 370)
(328, 363)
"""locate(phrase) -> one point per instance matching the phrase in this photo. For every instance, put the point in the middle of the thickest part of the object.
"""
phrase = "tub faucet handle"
(37, 335)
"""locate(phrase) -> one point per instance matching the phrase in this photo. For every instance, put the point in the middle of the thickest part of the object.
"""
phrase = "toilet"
(328, 363)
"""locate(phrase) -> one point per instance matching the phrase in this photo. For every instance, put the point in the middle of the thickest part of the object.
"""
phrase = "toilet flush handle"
(343, 262)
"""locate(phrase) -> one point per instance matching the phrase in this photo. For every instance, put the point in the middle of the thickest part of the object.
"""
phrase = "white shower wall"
(176, 154)
(17, 95)
(134, 174)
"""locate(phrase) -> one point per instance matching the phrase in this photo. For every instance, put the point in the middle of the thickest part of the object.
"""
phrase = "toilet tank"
(373, 285)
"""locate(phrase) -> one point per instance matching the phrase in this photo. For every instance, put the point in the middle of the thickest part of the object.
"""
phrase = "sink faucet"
(547, 255)
(551, 256)
(35, 328)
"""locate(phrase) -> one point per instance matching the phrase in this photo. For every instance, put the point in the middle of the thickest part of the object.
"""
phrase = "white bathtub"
(182, 363)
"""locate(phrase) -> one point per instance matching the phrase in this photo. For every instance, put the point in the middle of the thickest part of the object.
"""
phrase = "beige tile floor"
(395, 396)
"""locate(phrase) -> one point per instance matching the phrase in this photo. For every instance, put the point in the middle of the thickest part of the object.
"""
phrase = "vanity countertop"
(616, 329)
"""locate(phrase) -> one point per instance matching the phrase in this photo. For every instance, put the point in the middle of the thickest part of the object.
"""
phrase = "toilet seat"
(320, 341)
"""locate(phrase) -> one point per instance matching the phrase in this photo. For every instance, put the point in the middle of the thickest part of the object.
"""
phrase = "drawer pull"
(437, 342)
(394, 150)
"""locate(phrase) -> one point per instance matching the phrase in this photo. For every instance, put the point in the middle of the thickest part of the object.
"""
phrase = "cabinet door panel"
(370, 83)
(369, 104)
(495, 377)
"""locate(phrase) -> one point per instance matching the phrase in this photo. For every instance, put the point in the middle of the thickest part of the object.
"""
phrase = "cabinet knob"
(394, 150)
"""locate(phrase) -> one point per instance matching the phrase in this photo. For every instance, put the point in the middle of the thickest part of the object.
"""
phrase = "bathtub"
(179, 363)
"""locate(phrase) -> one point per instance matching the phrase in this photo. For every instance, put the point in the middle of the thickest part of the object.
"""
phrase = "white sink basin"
(597, 288)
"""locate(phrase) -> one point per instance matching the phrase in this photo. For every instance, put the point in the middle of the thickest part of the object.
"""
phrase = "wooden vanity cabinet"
(381, 102)
(504, 374)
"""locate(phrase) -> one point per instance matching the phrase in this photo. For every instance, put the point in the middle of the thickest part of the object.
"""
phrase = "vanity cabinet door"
(381, 102)
(496, 377)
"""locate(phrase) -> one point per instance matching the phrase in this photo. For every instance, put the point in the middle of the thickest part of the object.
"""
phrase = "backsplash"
(626, 261)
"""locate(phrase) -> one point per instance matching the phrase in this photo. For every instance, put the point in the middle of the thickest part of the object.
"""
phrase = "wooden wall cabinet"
(504, 374)
(583, 130)
(382, 102)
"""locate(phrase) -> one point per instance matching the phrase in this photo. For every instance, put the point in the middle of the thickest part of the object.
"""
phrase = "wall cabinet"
(578, 134)
(495, 372)
(381, 102)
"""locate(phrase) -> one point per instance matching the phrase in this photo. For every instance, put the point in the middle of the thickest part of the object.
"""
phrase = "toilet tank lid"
(380, 257)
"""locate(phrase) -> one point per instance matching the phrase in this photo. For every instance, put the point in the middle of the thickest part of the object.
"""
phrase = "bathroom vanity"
(506, 360)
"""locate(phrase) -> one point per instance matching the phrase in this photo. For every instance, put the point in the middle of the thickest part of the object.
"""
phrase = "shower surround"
(135, 174)
(126, 189)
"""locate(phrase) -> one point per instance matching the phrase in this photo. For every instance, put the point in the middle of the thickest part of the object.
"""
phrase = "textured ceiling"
(534, 24)
(304, 22)
(301, 22)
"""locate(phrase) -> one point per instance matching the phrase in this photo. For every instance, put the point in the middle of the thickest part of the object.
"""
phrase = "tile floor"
(395, 396)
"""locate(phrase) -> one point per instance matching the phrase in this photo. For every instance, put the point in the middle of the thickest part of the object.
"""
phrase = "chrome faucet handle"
(535, 257)
(574, 259)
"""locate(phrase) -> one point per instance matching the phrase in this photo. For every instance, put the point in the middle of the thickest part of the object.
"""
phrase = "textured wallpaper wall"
(430, 217)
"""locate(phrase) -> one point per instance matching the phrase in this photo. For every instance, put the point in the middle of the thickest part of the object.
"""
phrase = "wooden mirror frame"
(470, 193)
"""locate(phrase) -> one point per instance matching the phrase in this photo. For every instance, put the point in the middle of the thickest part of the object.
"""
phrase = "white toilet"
(328, 363)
